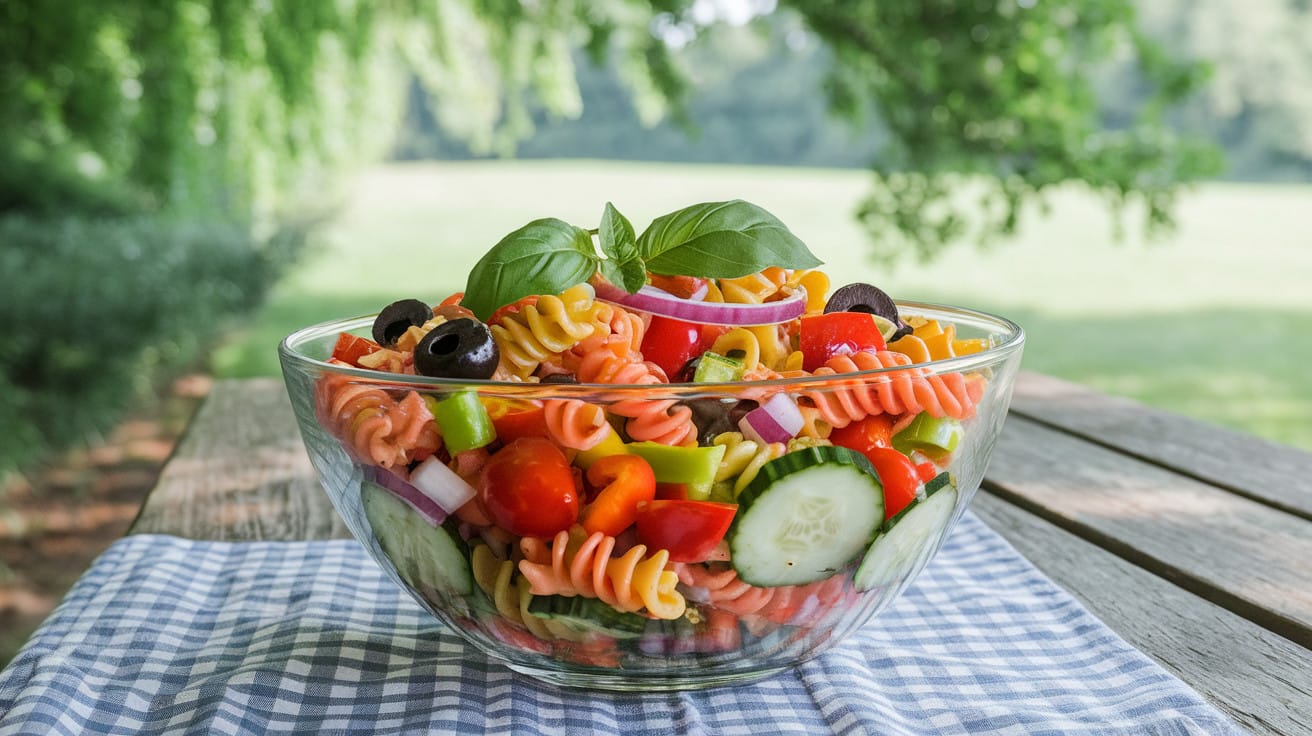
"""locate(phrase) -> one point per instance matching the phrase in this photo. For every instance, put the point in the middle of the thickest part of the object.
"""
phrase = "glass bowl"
(638, 621)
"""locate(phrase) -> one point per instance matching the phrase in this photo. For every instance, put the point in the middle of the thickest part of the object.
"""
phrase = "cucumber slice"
(905, 542)
(804, 516)
(588, 614)
(422, 553)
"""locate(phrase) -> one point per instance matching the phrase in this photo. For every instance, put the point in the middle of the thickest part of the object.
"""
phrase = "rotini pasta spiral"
(544, 329)
(572, 564)
(511, 594)
(576, 424)
(376, 427)
(905, 391)
(742, 459)
(656, 420)
(757, 346)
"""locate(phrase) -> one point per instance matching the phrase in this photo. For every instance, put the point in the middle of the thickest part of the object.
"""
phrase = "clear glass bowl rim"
(1012, 339)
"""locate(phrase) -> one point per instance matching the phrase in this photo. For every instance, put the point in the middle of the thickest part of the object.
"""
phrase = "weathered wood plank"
(1275, 474)
(1260, 679)
(1241, 554)
(241, 473)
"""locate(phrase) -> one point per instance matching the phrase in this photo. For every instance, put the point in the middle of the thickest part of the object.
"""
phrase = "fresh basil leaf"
(545, 256)
(721, 240)
(622, 265)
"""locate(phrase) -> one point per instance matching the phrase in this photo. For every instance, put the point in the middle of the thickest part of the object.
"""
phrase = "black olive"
(460, 348)
(398, 317)
(559, 378)
(860, 297)
(716, 416)
(687, 372)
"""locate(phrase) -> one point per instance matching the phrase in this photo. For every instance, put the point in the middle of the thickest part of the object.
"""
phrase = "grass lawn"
(1215, 322)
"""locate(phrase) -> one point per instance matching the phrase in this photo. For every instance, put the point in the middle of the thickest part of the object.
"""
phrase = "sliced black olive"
(398, 317)
(861, 297)
(460, 348)
(559, 378)
(716, 416)
(687, 372)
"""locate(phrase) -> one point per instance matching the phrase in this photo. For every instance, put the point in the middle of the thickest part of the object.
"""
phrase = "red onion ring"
(658, 301)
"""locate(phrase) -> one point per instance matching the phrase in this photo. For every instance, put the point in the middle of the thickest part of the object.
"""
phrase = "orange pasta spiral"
(572, 564)
(900, 392)
(378, 428)
(655, 420)
(576, 424)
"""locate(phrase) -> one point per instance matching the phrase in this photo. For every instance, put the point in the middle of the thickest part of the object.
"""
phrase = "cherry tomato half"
(671, 343)
(899, 476)
(822, 336)
(688, 530)
(528, 488)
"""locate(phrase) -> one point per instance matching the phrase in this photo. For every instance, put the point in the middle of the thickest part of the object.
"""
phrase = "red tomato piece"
(349, 348)
(671, 343)
(822, 336)
(927, 471)
(672, 491)
(515, 418)
(511, 308)
(528, 488)
(625, 481)
(899, 476)
(873, 431)
(681, 286)
(688, 530)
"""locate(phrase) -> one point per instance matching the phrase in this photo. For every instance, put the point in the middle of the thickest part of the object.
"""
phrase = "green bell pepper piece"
(462, 420)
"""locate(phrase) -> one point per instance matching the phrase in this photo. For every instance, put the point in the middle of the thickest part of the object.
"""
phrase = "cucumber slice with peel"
(423, 554)
(905, 541)
(804, 516)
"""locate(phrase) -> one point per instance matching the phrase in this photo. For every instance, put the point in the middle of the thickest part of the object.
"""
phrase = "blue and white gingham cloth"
(164, 635)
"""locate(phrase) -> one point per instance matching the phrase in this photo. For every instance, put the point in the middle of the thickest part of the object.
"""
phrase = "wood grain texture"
(1274, 474)
(1241, 554)
(241, 473)
(1260, 679)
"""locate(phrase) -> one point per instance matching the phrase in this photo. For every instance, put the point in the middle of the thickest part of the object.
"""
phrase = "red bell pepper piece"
(515, 418)
(899, 476)
(865, 434)
(822, 336)
(670, 343)
(625, 481)
(350, 348)
(688, 530)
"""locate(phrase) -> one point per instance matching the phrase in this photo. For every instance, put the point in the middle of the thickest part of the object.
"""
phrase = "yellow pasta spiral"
(742, 459)
(547, 328)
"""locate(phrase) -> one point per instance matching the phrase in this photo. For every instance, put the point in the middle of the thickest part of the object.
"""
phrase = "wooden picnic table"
(1192, 542)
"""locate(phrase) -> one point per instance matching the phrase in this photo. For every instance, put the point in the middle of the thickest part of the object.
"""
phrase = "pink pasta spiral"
(374, 426)
(655, 420)
(572, 564)
(785, 604)
(899, 392)
(576, 424)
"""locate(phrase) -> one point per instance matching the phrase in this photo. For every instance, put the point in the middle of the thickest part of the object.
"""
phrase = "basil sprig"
(710, 240)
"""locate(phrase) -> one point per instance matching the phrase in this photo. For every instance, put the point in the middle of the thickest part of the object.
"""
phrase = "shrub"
(97, 311)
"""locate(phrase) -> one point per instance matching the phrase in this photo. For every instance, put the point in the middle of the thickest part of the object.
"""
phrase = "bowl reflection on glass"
(608, 612)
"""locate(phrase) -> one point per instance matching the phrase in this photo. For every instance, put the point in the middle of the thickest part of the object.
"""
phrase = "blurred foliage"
(998, 98)
(160, 161)
(103, 308)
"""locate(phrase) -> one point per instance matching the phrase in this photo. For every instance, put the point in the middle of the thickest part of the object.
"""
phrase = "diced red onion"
(413, 497)
(440, 483)
(777, 420)
(658, 301)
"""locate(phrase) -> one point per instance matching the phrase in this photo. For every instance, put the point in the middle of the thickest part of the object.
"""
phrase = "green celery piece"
(695, 467)
(934, 436)
(463, 421)
(716, 368)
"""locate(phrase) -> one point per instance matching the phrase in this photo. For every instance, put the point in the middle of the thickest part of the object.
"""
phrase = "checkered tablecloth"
(164, 635)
